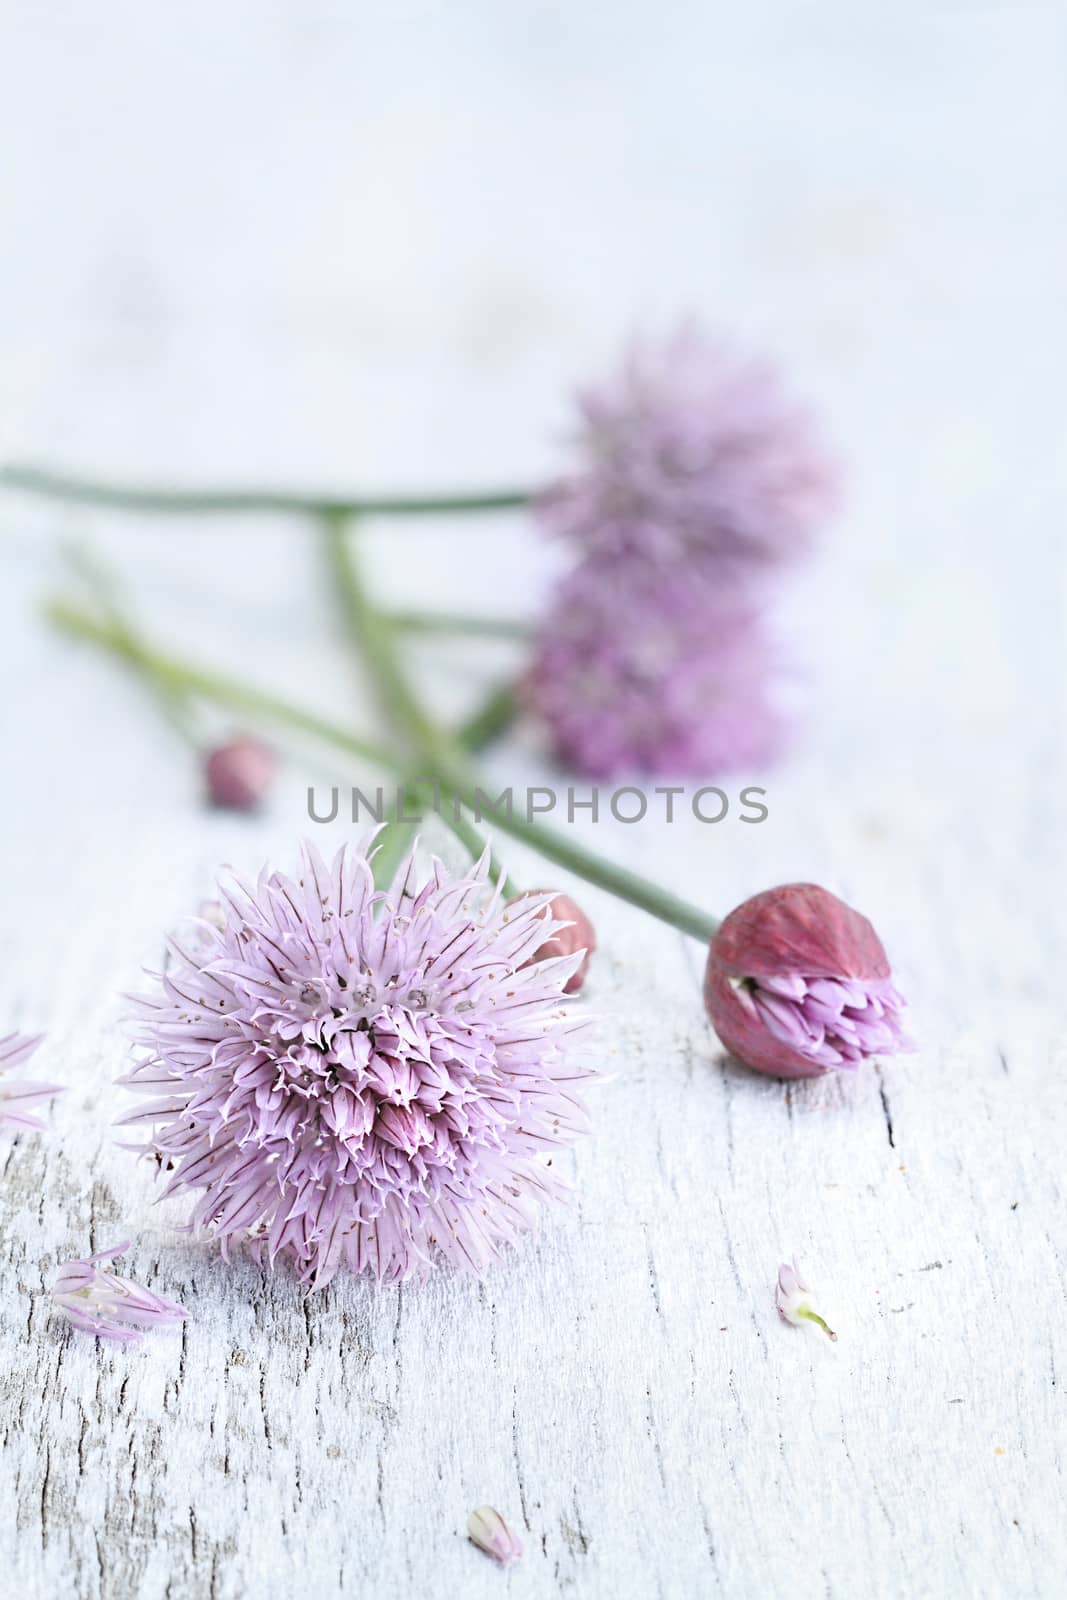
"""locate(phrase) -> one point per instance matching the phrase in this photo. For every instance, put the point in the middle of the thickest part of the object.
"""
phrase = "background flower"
(693, 454)
(660, 675)
(346, 1077)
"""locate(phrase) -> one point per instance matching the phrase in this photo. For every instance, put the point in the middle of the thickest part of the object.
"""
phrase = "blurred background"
(374, 247)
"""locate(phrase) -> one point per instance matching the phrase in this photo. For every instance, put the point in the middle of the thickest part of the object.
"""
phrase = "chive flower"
(339, 1076)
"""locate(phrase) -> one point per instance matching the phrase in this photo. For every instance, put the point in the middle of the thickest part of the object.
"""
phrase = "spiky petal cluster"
(694, 454)
(18, 1094)
(347, 1077)
(700, 482)
(659, 676)
(797, 983)
(102, 1303)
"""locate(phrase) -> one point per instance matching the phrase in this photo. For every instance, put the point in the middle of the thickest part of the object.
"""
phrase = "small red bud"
(239, 773)
(580, 935)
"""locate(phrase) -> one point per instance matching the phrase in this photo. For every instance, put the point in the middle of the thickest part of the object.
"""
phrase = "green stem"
(217, 686)
(102, 585)
(372, 635)
(813, 1316)
(239, 696)
(468, 626)
(492, 718)
(141, 497)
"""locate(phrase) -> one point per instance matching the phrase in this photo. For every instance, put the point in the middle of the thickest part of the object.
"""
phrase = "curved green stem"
(142, 497)
(813, 1316)
(371, 634)
(239, 696)
(375, 638)
(469, 626)
(492, 718)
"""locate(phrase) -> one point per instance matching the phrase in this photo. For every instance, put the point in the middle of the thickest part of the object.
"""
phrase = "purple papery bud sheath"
(575, 934)
(798, 984)
(239, 773)
(345, 1077)
(17, 1095)
(487, 1529)
(102, 1303)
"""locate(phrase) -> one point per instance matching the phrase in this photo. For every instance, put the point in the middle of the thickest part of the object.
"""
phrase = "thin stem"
(104, 588)
(468, 626)
(218, 687)
(371, 635)
(372, 632)
(813, 1316)
(492, 718)
(251, 701)
(142, 497)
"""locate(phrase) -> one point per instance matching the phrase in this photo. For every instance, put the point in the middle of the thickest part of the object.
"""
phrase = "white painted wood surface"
(372, 245)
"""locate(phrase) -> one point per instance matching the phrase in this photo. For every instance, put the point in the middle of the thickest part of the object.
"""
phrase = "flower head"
(487, 1529)
(18, 1094)
(111, 1307)
(642, 672)
(574, 933)
(694, 454)
(346, 1076)
(797, 983)
(793, 1296)
(239, 773)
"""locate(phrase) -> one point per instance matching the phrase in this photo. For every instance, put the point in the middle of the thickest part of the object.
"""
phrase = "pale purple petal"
(836, 1021)
(346, 1078)
(17, 1095)
(104, 1304)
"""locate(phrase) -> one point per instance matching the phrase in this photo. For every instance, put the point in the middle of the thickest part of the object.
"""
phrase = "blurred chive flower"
(698, 481)
(653, 673)
(693, 456)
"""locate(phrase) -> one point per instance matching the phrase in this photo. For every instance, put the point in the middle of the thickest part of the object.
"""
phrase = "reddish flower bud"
(239, 773)
(797, 983)
(580, 935)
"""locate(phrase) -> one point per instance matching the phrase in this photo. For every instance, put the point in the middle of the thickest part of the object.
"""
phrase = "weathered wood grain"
(875, 199)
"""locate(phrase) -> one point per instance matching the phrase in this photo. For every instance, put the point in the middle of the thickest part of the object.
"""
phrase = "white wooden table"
(373, 246)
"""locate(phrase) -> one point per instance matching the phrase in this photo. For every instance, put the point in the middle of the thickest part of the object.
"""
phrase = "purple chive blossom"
(18, 1094)
(793, 1297)
(487, 1529)
(694, 454)
(833, 1022)
(345, 1077)
(108, 1306)
(641, 672)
